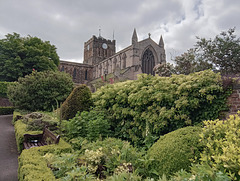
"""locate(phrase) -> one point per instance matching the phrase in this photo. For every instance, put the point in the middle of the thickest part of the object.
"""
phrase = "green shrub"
(40, 90)
(79, 100)
(143, 109)
(32, 166)
(199, 172)
(222, 140)
(91, 125)
(103, 158)
(173, 151)
(6, 110)
(3, 88)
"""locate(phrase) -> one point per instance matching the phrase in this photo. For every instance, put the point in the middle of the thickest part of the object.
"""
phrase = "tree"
(190, 62)
(20, 55)
(220, 54)
(222, 51)
(40, 90)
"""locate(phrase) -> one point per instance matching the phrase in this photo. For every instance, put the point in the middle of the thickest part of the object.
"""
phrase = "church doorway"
(148, 62)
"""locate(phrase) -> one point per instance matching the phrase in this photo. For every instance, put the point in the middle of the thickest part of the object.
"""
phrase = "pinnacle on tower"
(161, 44)
(134, 37)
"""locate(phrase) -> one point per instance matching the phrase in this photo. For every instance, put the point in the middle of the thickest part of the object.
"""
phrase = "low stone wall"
(4, 102)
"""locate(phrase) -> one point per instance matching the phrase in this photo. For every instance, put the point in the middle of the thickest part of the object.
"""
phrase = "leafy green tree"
(219, 54)
(190, 62)
(20, 55)
(40, 90)
(222, 51)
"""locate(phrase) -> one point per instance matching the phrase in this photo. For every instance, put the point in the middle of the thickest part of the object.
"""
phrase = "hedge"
(6, 110)
(33, 166)
(21, 129)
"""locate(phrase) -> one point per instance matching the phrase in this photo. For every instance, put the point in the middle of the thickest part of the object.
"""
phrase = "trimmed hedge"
(79, 100)
(33, 166)
(21, 129)
(6, 110)
(173, 151)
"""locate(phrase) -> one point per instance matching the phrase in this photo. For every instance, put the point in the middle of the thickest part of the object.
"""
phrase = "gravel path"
(8, 150)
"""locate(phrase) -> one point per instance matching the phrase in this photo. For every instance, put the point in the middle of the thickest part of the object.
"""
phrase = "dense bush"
(3, 88)
(109, 156)
(173, 151)
(151, 106)
(90, 125)
(6, 110)
(222, 140)
(80, 100)
(40, 90)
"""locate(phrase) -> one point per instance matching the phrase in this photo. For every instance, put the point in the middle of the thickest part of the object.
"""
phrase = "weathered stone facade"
(100, 58)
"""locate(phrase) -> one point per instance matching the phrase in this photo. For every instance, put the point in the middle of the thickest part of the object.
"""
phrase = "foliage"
(3, 89)
(22, 128)
(79, 100)
(103, 158)
(142, 110)
(198, 172)
(222, 51)
(36, 121)
(91, 125)
(19, 56)
(222, 140)
(40, 90)
(32, 166)
(124, 176)
(164, 69)
(190, 62)
(6, 110)
(173, 151)
(220, 54)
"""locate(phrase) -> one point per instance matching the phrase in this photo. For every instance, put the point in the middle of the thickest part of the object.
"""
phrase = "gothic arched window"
(148, 62)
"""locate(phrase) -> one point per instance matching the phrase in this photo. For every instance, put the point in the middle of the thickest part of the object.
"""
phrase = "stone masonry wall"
(234, 100)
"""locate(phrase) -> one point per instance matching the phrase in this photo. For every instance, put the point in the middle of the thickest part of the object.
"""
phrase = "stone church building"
(101, 59)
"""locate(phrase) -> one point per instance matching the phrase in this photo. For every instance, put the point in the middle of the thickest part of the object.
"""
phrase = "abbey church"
(101, 60)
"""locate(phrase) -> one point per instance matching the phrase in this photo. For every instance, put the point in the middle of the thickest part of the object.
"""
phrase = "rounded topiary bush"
(173, 151)
(80, 100)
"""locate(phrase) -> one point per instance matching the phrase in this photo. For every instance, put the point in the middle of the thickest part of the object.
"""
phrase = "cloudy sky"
(69, 23)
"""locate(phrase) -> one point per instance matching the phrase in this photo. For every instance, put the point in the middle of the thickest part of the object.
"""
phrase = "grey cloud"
(68, 24)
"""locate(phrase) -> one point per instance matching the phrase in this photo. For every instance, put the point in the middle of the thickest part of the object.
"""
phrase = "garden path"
(8, 150)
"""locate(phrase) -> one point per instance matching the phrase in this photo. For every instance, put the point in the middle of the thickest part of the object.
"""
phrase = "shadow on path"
(8, 150)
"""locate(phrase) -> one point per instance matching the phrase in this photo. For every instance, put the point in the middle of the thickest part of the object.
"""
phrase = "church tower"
(97, 49)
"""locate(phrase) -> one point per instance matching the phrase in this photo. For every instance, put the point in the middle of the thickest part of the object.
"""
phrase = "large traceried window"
(148, 62)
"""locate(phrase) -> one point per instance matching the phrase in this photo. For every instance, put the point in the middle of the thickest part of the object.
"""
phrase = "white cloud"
(68, 24)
